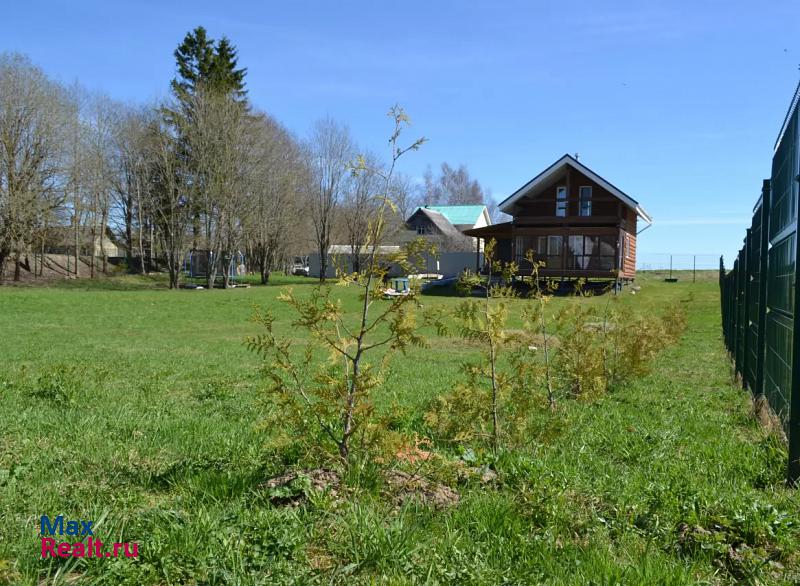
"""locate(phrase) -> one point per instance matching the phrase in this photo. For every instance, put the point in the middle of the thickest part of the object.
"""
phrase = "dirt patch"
(405, 487)
(730, 550)
(535, 340)
(43, 270)
(293, 488)
(766, 416)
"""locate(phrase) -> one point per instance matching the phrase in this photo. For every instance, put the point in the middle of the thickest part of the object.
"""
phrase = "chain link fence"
(680, 266)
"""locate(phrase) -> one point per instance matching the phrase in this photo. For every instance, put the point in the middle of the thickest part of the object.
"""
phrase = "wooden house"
(446, 224)
(575, 222)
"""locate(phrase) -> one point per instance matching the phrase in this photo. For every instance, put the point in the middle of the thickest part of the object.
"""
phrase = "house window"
(421, 229)
(561, 202)
(555, 259)
(585, 199)
(589, 252)
(627, 246)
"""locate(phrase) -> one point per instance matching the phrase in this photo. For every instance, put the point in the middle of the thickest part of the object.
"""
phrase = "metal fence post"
(763, 261)
(746, 304)
(793, 430)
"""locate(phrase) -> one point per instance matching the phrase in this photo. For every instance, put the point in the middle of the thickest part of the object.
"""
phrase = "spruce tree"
(224, 76)
(203, 63)
(208, 68)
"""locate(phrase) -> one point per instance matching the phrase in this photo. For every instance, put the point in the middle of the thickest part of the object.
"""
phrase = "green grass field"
(142, 407)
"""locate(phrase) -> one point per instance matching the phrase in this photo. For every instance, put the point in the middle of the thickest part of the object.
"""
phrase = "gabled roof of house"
(459, 215)
(567, 160)
(439, 220)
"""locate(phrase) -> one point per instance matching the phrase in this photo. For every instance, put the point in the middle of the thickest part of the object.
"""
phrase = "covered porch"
(571, 252)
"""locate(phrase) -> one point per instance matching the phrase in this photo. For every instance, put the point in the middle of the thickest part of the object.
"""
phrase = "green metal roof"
(459, 214)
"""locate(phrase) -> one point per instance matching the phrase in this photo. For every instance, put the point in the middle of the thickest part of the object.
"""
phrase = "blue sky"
(676, 102)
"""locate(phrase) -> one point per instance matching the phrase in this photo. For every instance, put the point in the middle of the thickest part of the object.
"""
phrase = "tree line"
(203, 170)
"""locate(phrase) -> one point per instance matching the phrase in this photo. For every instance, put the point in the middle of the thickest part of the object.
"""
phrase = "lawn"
(141, 409)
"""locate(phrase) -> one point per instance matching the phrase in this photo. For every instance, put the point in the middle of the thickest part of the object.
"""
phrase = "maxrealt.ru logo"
(90, 548)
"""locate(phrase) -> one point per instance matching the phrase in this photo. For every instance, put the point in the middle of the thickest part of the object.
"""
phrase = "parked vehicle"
(300, 266)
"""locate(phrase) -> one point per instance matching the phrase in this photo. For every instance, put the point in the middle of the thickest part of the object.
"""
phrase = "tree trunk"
(174, 271)
(152, 247)
(129, 230)
(16, 266)
(77, 245)
(141, 248)
(263, 268)
(323, 258)
(102, 241)
(211, 271)
(195, 231)
(141, 230)
(93, 233)
(226, 271)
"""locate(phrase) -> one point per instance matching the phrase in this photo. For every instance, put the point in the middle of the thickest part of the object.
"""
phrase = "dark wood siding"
(541, 209)
(628, 230)
(420, 221)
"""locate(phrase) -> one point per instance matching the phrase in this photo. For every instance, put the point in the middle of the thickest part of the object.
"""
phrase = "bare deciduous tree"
(452, 187)
(331, 149)
(278, 172)
(168, 202)
(100, 122)
(33, 112)
(359, 207)
(221, 145)
(132, 179)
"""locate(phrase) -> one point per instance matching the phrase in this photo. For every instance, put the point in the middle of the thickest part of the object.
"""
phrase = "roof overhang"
(492, 231)
(548, 174)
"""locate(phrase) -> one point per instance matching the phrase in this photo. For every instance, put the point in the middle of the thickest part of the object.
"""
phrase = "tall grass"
(143, 407)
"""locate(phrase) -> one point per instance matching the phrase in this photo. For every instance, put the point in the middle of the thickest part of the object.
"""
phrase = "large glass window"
(561, 202)
(585, 200)
(555, 259)
(590, 253)
(535, 244)
(579, 252)
(546, 249)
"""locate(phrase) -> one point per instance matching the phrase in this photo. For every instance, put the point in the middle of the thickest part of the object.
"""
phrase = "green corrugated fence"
(759, 295)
